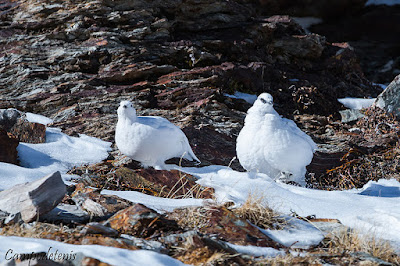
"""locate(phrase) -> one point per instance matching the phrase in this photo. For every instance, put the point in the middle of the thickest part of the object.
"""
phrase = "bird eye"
(125, 106)
(263, 100)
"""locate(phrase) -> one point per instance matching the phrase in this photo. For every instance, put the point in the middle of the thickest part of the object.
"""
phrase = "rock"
(389, 99)
(97, 228)
(307, 46)
(66, 214)
(8, 219)
(350, 115)
(98, 206)
(146, 244)
(368, 259)
(35, 198)
(138, 220)
(15, 122)
(8, 147)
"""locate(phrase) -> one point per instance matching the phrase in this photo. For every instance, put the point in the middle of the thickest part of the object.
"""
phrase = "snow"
(307, 22)
(383, 2)
(35, 118)
(250, 98)
(371, 210)
(60, 153)
(356, 103)
(257, 251)
(110, 255)
(156, 203)
(296, 234)
(383, 86)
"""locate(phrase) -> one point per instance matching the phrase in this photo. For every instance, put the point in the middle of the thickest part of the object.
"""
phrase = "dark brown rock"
(15, 123)
(138, 220)
(8, 147)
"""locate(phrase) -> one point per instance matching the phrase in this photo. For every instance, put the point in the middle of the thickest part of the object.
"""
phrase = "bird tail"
(190, 154)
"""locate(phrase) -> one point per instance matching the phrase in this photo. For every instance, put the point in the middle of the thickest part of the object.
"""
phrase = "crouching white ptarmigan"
(273, 145)
(150, 139)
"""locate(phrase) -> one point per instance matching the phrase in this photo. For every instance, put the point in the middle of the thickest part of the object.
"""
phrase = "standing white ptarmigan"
(273, 145)
(150, 139)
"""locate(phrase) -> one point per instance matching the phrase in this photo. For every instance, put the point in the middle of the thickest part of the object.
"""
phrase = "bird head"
(126, 110)
(264, 103)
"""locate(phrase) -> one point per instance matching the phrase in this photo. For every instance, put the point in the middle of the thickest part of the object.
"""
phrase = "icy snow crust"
(110, 255)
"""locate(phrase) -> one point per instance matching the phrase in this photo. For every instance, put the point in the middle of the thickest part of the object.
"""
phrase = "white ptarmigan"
(273, 145)
(150, 139)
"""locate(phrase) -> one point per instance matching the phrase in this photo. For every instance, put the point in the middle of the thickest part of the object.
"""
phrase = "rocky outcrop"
(389, 99)
(15, 122)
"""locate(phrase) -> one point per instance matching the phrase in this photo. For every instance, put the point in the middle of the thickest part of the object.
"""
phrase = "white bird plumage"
(273, 145)
(150, 139)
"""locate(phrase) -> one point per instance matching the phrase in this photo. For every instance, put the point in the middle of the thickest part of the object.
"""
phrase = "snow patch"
(296, 234)
(383, 2)
(110, 255)
(250, 98)
(156, 203)
(34, 118)
(257, 251)
(60, 153)
(307, 22)
(356, 103)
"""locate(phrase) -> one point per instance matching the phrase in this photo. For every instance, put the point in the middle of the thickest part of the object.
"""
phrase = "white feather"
(150, 139)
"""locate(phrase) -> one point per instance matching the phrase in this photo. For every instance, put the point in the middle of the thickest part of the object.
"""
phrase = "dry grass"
(34, 230)
(191, 217)
(352, 241)
(255, 211)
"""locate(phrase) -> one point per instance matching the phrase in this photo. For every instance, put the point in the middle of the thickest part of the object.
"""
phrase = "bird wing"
(296, 130)
(285, 143)
(157, 122)
(168, 130)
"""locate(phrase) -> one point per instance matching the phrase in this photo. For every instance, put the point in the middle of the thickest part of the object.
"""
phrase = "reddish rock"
(138, 220)
(8, 147)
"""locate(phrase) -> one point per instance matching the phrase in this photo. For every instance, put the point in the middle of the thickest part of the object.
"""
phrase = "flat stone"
(66, 214)
(138, 220)
(35, 198)
(350, 115)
